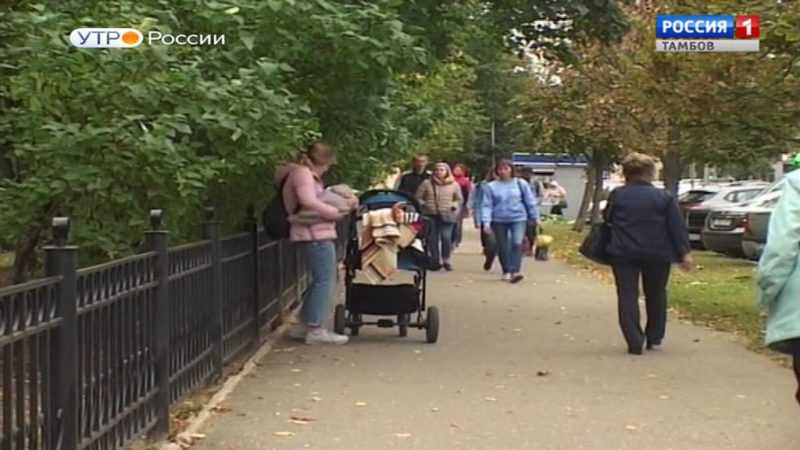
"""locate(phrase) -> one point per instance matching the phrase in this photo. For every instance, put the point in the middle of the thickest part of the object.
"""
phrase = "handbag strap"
(609, 211)
(522, 196)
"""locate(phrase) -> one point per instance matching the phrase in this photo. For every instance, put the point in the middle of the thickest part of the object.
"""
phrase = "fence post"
(211, 232)
(157, 240)
(251, 224)
(61, 420)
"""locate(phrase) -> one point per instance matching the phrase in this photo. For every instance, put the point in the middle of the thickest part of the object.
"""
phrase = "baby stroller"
(405, 303)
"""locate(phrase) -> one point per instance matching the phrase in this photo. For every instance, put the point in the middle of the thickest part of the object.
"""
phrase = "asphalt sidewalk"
(540, 365)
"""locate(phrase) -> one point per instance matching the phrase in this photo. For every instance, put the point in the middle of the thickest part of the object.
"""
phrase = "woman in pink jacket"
(316, 240)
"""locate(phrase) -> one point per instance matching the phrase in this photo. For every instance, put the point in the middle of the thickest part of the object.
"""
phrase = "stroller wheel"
(402, 322)
(432, 325)
(353, 328)
(339, 319)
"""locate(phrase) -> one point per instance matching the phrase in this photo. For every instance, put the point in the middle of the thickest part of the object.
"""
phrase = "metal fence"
(93, 358)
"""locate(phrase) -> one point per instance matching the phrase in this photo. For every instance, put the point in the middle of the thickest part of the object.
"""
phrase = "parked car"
(696, 205)
(754, 237)
(725, 226)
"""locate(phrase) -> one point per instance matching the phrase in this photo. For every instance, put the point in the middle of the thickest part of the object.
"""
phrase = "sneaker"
(506, 277)
(654, 346)
(323, 336)
(517, 278)
(298, 331)
(448, 267)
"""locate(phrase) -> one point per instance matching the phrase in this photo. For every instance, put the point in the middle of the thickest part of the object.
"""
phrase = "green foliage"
(104, 135)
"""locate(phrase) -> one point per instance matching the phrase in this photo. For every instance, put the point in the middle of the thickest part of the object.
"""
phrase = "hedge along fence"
(93, 358)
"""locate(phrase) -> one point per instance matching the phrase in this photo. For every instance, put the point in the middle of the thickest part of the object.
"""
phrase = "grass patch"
(720, 294)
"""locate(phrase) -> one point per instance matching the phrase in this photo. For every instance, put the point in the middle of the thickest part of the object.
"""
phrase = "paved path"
(539, 365)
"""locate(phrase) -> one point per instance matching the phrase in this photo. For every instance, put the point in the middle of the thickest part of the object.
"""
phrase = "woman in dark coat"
(648, 235)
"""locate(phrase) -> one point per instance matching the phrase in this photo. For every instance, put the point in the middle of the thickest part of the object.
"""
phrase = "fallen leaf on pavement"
(221, 409)
(283, 433)
(455, 425)
(300, 420)
(631, 428)
(543, 373)
(198, 436)
(434, 409)
(316, 399)
(360, 404)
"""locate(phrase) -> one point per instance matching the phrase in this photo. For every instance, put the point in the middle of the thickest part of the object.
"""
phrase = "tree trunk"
(588, 193)
(25, 254)
(599, 167)
(673, 165)
(25, 248)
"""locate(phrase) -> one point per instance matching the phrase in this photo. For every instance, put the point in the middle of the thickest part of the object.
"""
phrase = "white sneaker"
(323, 336)
(506, 277)
(298, 331)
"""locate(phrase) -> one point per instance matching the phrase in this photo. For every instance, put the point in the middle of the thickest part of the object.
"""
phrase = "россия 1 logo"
(708, 33)
(130, 38)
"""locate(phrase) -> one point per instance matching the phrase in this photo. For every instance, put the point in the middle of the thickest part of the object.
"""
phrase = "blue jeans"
(441, 240)
(509, 244)
(320, 259)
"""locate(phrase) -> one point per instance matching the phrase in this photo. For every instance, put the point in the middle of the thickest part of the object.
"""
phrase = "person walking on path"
(460, 175)
(779, 275)
(648, 234)
(410, 181)
(533, 229)
(507, 208)
(556, 195)
(440, 197)
(302, 186)
(488, 242)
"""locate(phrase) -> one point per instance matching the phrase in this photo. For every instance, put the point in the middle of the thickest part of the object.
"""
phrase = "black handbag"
(594, 246)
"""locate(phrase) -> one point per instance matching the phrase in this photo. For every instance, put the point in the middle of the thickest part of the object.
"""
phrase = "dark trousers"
(441, 241)
(654, 278)
(489, 244)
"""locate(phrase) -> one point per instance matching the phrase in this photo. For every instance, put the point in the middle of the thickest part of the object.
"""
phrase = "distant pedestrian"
(556, 195)
(440, 197)
(462, 179)
(507, 207)
(410, 181)
(648, 234)
(779, 272)
(488, 242)
(533, 228)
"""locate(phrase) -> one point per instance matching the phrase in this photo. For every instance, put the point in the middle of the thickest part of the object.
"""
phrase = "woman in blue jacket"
(779, 280)
(506, 209)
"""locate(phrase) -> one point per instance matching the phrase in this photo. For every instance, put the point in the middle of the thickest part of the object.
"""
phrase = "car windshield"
(696, 196)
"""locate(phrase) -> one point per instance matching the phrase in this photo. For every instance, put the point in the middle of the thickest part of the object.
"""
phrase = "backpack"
(275, 216)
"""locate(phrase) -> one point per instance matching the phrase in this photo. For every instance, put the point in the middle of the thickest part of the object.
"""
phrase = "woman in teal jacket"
(780, 275)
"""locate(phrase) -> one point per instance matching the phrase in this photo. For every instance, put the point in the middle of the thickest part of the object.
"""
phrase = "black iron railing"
(93, 358)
